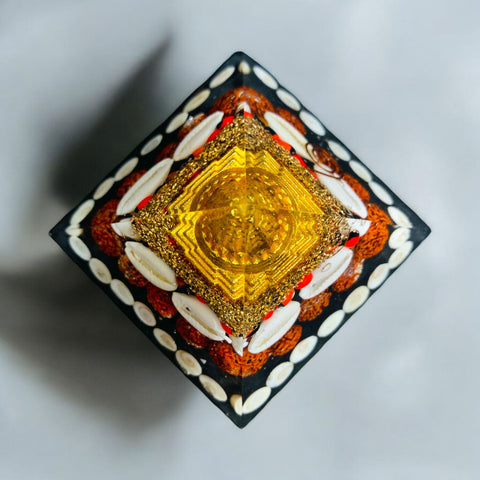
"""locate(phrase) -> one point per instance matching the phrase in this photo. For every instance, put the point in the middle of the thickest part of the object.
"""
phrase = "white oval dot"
(398, 237)
(399, 218)
(356, 299)
(122, 291)
(164, 339)
(378, 276)
(81, 212)
(188, 363)
(339, 150)
(103, 188)
(400, 254)
(126, 169)
(288, 99)
(303, 349)
(196, 100)
(331, 323)
(79, 247)
(73, 231)
(256, 400)
(312, 122)
(151, 145)
(265, 77)
(100, 270)
(361, 171)
(222, 76)
(144, 314)
(279, 374)
(213, 388)
(381, 193)
(177, 122)
(236, 403)
(244, 67)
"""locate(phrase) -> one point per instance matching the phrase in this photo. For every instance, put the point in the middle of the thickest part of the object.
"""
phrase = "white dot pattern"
(126, 169)
(256, 400)
(398, 241)
(121, 291)
(288, 99)
(265, 77)
(177, 122)
(151, 145)
(222, 76)
(338, 150)
(165, 339)
(312, 123)
(196, 100)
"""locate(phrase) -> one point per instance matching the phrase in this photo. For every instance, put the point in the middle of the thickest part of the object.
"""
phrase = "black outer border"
(232, 385)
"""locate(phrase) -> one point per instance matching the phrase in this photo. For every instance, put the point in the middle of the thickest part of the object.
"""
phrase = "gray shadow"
(134, 111)
(74, 337)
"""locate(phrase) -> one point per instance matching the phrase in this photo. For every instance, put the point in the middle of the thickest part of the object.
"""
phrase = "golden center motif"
(241, 218)
(241, 223)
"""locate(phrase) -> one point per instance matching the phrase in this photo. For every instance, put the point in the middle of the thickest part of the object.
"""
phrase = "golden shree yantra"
(242, 223)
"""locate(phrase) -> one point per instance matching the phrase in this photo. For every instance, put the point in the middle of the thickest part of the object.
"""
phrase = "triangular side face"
(239, 236)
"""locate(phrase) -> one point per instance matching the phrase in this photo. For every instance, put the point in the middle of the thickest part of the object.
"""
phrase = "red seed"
(352, 242)
(226, 328)
(198, 151)
(268, 315)
(300, 160)
(213, 135)
(200, 299)
(281, 142)
(289, 297)
(193, 175)
(226, 121)
(144, 202)
(305, 281)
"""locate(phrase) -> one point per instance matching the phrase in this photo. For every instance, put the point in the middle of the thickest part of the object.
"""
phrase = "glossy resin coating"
(240, 235)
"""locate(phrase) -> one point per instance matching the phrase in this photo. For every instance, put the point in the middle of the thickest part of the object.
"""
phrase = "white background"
(83, 395)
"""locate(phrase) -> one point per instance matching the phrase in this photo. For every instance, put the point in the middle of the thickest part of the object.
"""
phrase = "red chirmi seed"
(300, 160)
(200, 299)
(268, 315)
(144, 202)
(281, 142)
(226, 121)
(305, 281)
(351, 242)
(289, 297)
(213, 135)
(193, 175)
(226, 328)
(198, 151)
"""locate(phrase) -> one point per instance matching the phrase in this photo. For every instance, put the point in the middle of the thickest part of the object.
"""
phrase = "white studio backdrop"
(84, 395)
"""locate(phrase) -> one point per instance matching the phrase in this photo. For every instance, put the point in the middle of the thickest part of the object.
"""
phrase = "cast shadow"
(73, 336)
(132, 113)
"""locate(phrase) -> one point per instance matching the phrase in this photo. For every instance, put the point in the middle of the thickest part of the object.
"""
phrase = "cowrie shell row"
(199, 315)
(198, 136)
(274, 328)
(144, 186)
(124, 228)
(327, 273)
(151, 266)
(287, 132)
(238, 344)
(341, 190)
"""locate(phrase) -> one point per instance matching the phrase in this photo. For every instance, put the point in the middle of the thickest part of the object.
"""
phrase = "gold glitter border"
(250, 134)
